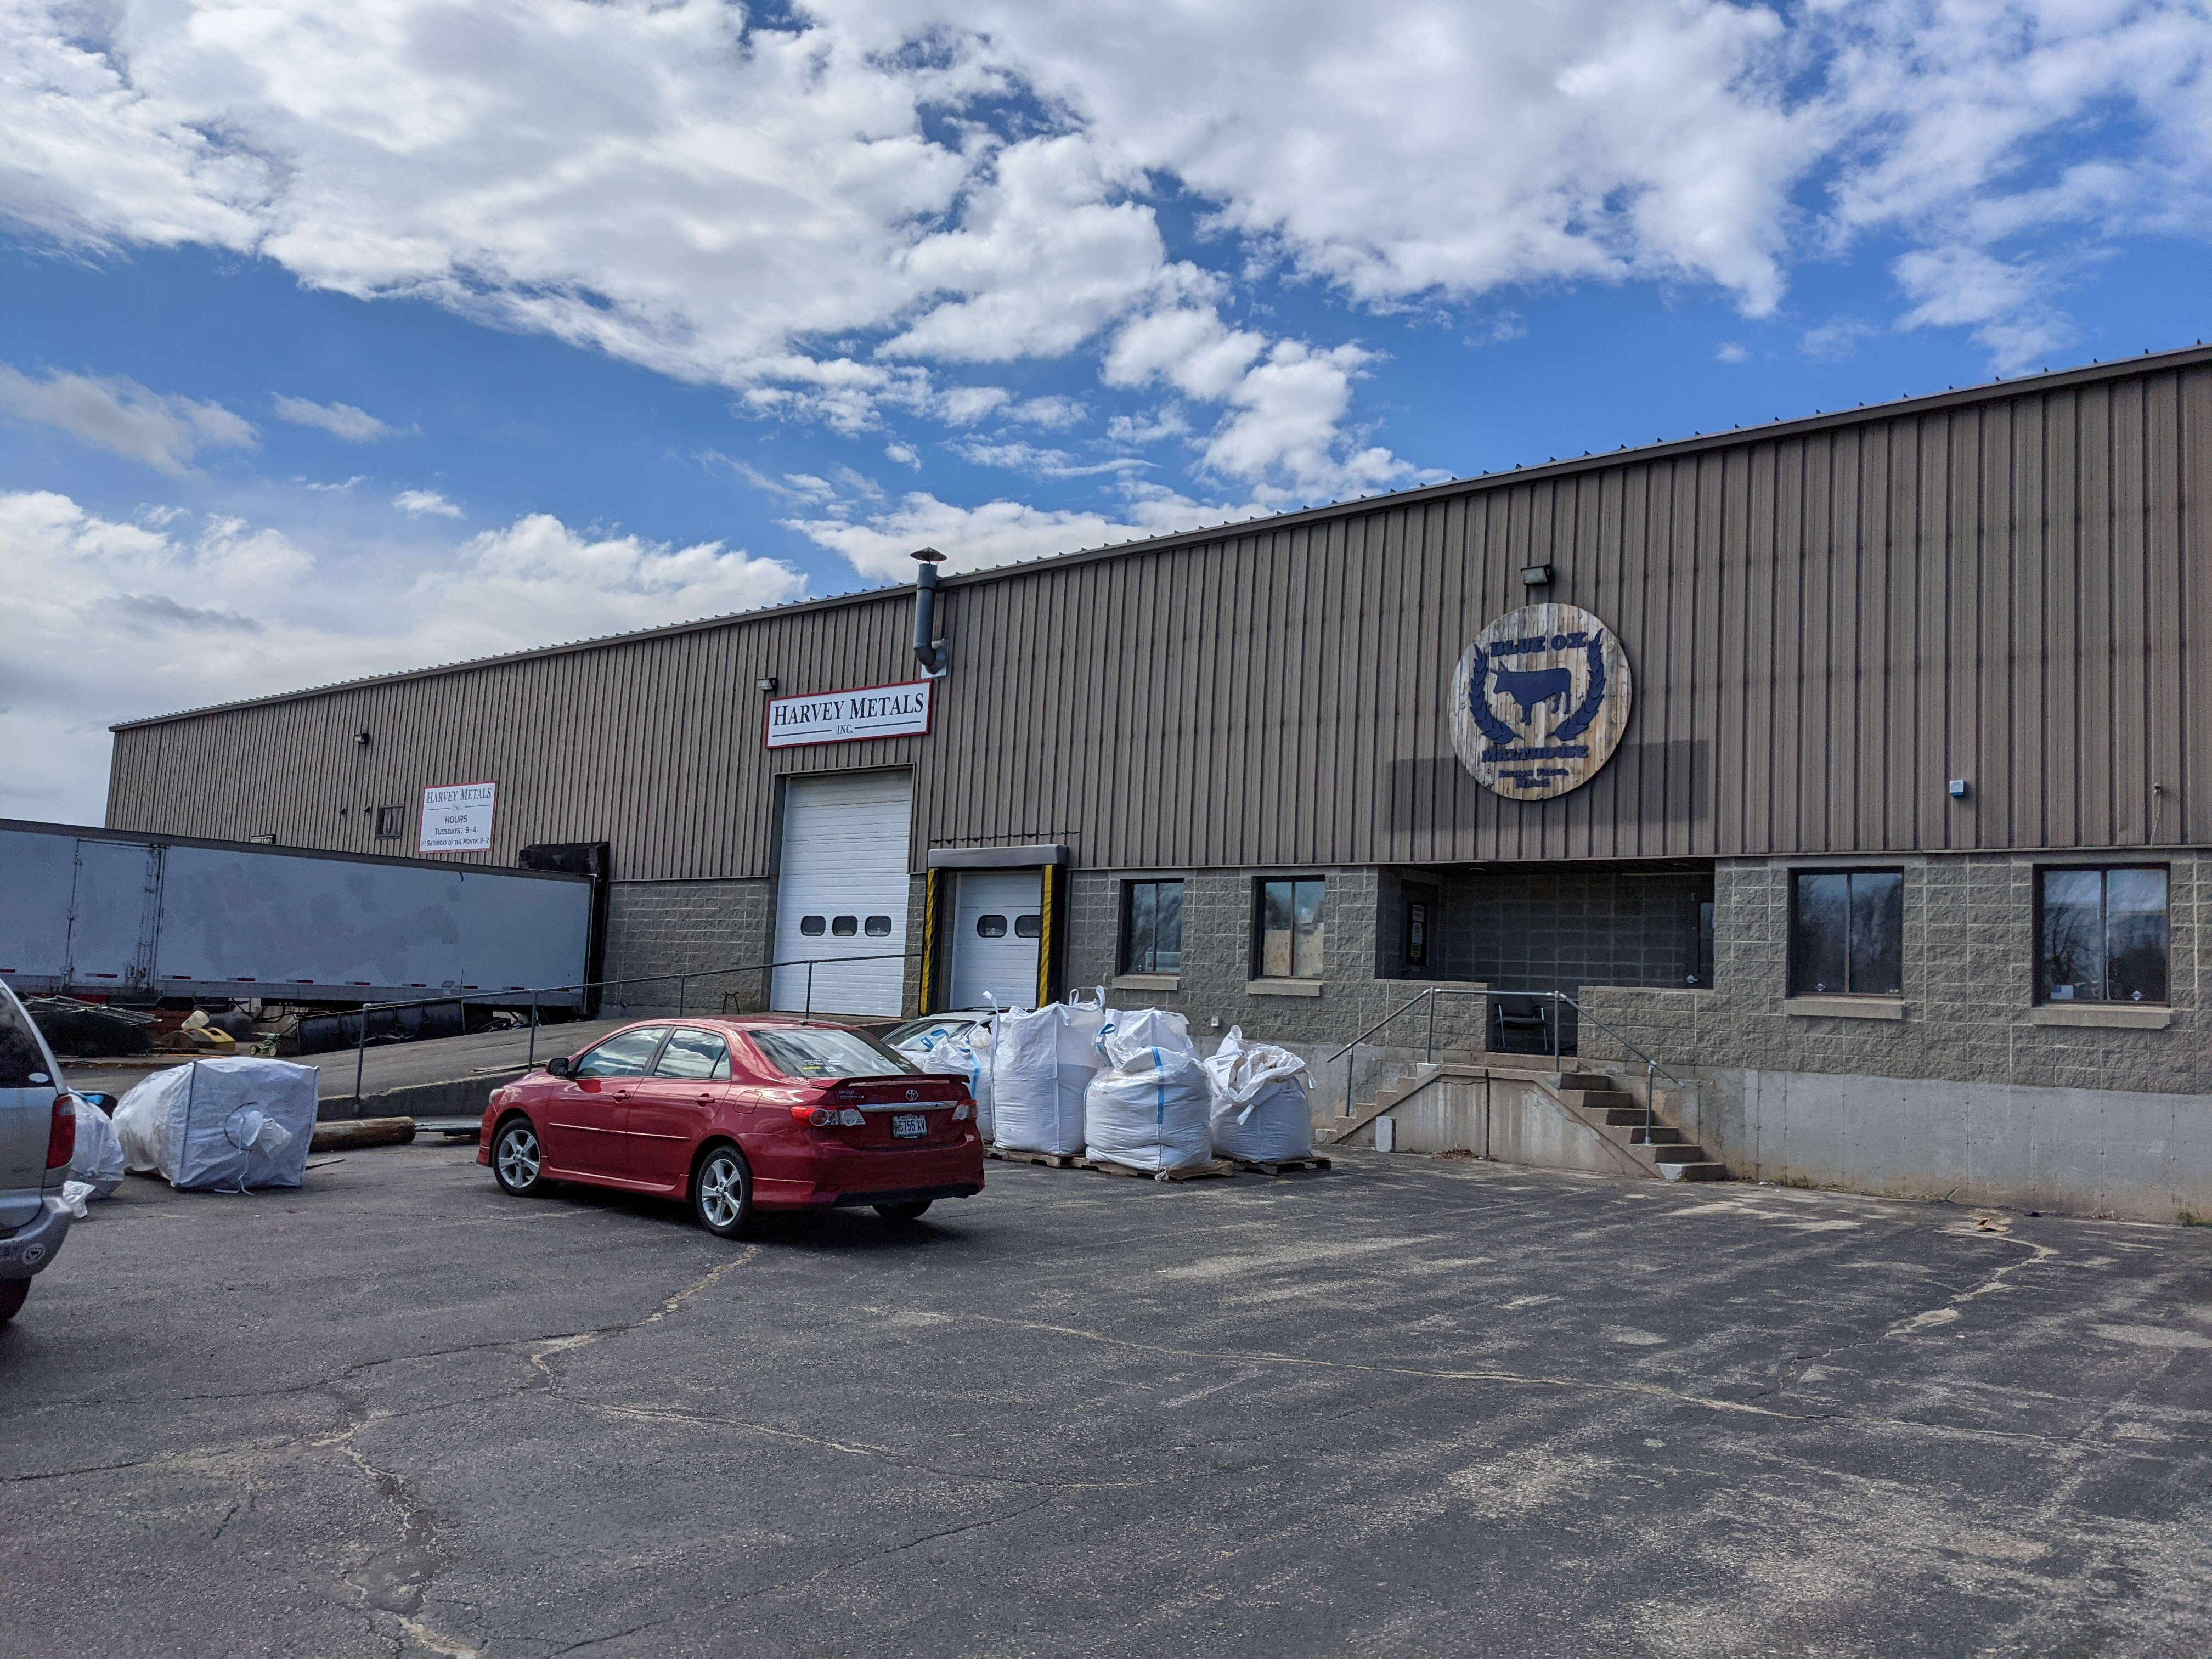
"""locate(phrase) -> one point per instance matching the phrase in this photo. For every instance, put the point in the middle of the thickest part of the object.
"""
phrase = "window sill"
(1282, 988)
(1844, 1007)
(1148, 982)
(2112, 1015)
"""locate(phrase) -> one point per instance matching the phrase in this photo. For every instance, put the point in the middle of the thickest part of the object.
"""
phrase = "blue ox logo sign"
(1540, 701)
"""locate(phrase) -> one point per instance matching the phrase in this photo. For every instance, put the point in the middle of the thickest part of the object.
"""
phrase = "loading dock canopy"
(997, 858)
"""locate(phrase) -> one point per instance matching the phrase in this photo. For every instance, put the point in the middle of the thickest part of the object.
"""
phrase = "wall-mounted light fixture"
(1535, 576)
(361, 738)
(1957, 789)
(765, 683)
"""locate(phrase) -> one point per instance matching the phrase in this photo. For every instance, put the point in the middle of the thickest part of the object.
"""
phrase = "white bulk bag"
(1041, 1064)
(97, 1165)
(1259, 1109)
(1148, 1108)
(964, 1053)
(233, 1124)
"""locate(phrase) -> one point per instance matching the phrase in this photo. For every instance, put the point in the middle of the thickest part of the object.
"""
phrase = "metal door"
(841, 893)
(114, 906)
(997, 922)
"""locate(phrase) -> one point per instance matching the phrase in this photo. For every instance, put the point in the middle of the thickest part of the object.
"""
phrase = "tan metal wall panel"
(1825, 624)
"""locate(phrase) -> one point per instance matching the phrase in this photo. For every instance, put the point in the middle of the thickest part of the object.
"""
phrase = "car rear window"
(814, 1053)
(19, 1047)
(699, 1055)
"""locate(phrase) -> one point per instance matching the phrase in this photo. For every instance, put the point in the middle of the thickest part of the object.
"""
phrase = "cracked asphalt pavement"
(1412, 1405)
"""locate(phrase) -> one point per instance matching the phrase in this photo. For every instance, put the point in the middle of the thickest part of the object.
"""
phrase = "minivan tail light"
(61, 1133)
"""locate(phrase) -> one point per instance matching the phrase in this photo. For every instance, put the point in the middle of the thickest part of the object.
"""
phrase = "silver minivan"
(38, 1134)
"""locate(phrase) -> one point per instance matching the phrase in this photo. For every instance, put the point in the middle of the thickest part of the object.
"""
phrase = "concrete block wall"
(1969, 1009)
(1219, 923)
(681, 927)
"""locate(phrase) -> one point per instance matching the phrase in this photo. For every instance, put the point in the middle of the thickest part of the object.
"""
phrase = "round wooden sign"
(1540, 701)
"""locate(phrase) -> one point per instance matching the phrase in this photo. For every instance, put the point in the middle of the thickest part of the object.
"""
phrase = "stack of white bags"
(1129, 1088)
(964, 1053)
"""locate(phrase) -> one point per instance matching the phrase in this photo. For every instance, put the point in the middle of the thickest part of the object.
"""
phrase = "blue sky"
(340, 340)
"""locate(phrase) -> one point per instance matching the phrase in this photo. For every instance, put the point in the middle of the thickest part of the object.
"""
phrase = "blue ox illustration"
(1531, 687)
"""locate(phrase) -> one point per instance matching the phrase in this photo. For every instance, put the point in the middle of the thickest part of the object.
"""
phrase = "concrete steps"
(1656, 1147)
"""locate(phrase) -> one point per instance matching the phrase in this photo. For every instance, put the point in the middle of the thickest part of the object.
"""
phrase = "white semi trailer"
(132, 916)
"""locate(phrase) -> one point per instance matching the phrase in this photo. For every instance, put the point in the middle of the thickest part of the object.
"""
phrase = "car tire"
(517, 1158)
(912, 1210)
(723, 1192)
(12, 1292)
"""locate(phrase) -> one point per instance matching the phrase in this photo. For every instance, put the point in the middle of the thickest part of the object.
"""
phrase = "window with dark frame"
(1293, 923)
(390, 823)
(2101, 934)
(1845, 932)
(1151, 927)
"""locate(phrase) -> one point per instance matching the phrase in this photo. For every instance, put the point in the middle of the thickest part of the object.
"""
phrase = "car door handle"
(704, 1100)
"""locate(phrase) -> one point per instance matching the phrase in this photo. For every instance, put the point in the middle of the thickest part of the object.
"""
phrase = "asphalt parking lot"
(1414, 1406)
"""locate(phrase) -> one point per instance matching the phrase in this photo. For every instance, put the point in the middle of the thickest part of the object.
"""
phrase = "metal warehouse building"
(1858, 769)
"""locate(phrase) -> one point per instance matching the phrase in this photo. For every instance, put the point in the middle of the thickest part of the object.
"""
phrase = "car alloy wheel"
(910, 1210)
(516, 1157)
(722, 1193)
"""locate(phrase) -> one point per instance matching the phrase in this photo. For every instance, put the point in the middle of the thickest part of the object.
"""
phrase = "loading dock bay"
(1414, 1406)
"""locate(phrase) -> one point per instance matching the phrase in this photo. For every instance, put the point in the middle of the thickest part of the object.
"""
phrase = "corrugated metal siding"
(1824, 626)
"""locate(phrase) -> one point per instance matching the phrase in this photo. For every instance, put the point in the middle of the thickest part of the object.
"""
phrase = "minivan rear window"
(812, 1054)
(20, 1059)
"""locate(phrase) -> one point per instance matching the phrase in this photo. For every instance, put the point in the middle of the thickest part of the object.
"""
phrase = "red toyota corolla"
(736, 1114)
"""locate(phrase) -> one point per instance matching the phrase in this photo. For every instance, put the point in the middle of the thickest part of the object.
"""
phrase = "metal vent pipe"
(929, 650)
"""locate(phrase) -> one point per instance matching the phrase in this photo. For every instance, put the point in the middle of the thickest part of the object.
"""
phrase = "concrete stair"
(1659, 1149)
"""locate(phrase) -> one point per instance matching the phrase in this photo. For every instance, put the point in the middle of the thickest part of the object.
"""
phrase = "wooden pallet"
(1281, 1165)
(1043, 1160)
(1219, 1166)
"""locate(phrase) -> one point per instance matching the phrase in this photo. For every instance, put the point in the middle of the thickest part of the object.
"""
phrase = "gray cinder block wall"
(679, 927)
(1974, 1092)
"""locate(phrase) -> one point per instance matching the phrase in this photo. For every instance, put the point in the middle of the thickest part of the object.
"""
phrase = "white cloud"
(355, 426)
(112, 620)
(1020, 457)
(904, 454)
(1003, 532)
(120, 415)
(416, 502)
(1729, 351)
(823, 212)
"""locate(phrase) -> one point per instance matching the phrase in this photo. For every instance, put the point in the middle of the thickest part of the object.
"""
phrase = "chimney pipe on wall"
(928, 649)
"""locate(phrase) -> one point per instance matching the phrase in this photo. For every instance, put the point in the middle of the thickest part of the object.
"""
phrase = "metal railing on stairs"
(1558, 1000)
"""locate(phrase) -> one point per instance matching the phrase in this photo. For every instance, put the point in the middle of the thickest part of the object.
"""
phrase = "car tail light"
(823, 1117)
(61, 1134)
(962, 1112)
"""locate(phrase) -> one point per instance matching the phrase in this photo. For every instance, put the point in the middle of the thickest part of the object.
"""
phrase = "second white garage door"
(841, 893)
(997, 923)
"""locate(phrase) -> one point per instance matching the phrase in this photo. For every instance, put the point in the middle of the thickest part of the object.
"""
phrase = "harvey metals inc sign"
(1540, 701)
(872, 711)
(456, 817)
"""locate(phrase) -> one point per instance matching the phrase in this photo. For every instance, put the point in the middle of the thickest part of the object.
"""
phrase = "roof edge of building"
(1419, 494)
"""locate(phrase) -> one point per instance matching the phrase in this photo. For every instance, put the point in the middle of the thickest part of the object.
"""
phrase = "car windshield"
(816, 1053)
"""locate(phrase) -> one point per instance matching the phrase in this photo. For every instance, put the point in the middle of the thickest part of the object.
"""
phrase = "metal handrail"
(683, 988)
(1652, 1068)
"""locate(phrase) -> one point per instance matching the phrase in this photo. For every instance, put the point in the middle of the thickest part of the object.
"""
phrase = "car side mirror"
(560, 1066)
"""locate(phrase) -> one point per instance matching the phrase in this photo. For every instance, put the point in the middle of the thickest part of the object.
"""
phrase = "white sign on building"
(457, 818)
(872, 711)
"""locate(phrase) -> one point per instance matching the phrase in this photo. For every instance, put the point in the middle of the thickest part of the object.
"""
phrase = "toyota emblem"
(914, 1094)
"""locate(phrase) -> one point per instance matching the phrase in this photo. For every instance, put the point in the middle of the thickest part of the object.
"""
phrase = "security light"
(1535, 576)
(766, 682)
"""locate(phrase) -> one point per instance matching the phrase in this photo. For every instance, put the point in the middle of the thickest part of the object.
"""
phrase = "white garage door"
(997, 917)
(842, 893)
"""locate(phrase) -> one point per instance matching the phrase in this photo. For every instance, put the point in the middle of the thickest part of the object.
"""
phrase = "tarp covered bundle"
(1147, 1108)
(1259, 1109)
(1041, 1063)
(233, 1124)
(97, 1167)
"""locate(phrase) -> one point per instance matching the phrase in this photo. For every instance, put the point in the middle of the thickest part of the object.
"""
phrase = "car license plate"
(908, 1126)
